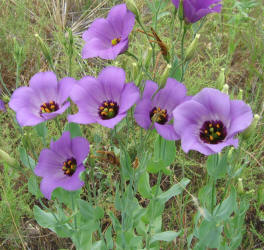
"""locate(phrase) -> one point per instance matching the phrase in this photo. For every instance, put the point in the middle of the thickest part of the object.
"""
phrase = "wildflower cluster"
(206, 122)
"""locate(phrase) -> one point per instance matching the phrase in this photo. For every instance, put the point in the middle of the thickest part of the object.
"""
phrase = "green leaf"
(74, 129)
(108, 238)
(217, 165)
(26, 159)
(209, 234)
(98, 245)
(66, 197)
(47, 220)
(143, 186)
(165, 236)
(174, 190)
(164, 155)
(33, 187)
(126, 166)
(89, 212)
(41, 129)
(223, 212)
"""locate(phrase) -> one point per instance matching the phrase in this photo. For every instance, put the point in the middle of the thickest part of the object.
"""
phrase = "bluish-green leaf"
(33, 187)
(165, 236)
(144, 187)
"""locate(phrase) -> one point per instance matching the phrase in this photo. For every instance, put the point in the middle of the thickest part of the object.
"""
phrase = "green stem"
(154, 208)
(17, 74)
(58, 125)
(212, 198)
(182, 52)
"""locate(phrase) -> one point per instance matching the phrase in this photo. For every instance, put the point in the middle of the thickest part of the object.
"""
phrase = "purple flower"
(104, 100)
(158, 109)
(61, 165)
(209, 121)
(194, 10)
(107, 38)
(2, 104)
(44, 99)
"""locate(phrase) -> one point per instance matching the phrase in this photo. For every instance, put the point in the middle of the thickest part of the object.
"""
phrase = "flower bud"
(165, 75)
(240, 188)
(225, 89)
(192, 48)
(251, 129)
(134, 70)
(240, 94)
(6, 98)
(45, 49)
(5, 157)
(221, 79)
(147, 59)
(132, 7)
(180, 11)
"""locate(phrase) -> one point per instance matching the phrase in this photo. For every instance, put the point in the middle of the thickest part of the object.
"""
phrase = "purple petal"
(216, 148)
(170, 96)
(65, 87)
(62, 147)
(101, 29)
(190, 141)
(150, 88)
(167, 131)
(80, 149)
(188, 113)
(49, 163)
(142, 111)
(82, 118)
(25, 117)
(129, 97)
(24, 97)
(95, 47)
(110, 123)
(176, 3)
(121, 20)
(215, 102)
(241, 117)
(45, 86)
(2, 105)
(112, 80)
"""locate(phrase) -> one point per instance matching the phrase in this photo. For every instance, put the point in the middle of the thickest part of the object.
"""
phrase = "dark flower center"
(158, 115)
(116, 41)
(69, 166)
(213, 132)
(49, 107)
(108, 110)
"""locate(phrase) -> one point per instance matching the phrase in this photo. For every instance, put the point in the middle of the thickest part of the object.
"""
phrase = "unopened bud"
(221, 79)
(240, 94)
(148, 58)
(6, 98)
(251, 129)
(165, 75)
(180, 11)
(132, 7)
(18, 52)
(192, 48)
(45, 49)
(225, 89)
(134, 70)
(5, 157)
(240, 188)
(230, 152)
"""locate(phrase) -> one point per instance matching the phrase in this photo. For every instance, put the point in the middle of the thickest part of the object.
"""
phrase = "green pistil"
(115, 41)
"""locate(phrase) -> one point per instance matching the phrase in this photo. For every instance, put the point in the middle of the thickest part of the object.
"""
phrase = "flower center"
(69, 166)
(116, 41)
(108, 110)
(49, 107)
(158, 115)
(213, 132)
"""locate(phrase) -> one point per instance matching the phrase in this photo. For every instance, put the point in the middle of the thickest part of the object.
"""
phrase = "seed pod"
(225, 89)
(147, 59)
(132, 7)
(165, 75)
(5, 157)
(221, 79)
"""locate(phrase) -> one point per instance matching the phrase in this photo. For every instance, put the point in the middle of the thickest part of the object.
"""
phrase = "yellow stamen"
(217, 125)
(218, 133)
(112, 104)
(72, 166)
(52, 107)
(106, 104)
(111, 110)
(51, 102)
(210, 125)
(101, 108)
(211, 138)
(206, 131)
(47, 110)
(68, 171)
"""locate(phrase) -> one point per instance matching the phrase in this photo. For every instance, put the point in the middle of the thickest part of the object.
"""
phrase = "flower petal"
(112, 80)
(110, 123)
(80, 149)
(25, 117)
(65, 87)
(241, 117)
(129, 97)
(150, 88)
(141, 114)
(167, 131)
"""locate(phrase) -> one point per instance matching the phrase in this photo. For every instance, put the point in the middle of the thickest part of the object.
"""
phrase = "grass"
(233, 40)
